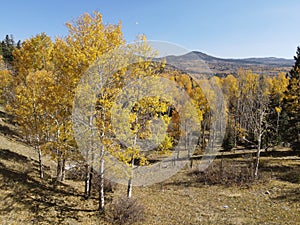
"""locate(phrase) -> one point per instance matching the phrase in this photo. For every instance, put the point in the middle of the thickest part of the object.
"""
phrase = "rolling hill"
(198, 62)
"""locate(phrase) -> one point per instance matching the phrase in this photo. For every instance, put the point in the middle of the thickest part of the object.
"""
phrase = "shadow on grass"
(251, 153)
(292, 195)
(7, 131)
(282, 172)
(276, 154)
(7, 118)
(50, 202)
(180, 183)
(13, 156)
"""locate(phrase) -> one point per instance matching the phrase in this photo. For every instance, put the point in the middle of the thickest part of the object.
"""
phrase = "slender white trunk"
(87, 186)
(101, 190)
(258, 155)
(40, 162)
(259, 136)
(89, 165)
(129, 189)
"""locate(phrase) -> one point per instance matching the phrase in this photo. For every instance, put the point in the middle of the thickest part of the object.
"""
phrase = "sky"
(222, 28)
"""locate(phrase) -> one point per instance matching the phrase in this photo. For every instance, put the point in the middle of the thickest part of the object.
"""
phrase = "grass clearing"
(181, 199)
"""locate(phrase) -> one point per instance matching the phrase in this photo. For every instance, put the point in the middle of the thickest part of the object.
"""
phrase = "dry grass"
(182, 199)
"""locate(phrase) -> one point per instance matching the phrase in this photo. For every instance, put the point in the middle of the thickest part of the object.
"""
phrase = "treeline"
(39, 86)
(263, 110)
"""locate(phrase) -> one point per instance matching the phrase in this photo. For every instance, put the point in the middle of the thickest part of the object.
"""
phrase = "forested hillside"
(74, 107)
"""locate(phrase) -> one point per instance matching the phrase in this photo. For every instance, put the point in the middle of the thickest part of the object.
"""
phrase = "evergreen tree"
(7, 47)
(292, 105)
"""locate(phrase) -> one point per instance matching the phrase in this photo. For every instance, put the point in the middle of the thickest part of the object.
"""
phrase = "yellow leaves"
(6, 82)
(129, 155)
(31, 103)
(248, 82)
(90, 38)
(143, 38)
(279, 86)
(278, 109)
(34, 55)
(230, 86)
(166, 145)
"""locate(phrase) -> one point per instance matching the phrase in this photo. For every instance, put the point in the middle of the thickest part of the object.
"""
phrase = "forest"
(42, 83)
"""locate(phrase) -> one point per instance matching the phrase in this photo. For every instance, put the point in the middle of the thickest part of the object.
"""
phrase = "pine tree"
(6, 50)
(292, 105)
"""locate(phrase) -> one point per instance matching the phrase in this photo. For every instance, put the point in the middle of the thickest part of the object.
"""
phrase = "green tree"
(291, 105)
(278, 88)
(7, 47)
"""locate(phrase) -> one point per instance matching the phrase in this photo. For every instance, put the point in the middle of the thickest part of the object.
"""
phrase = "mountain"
(199, 62)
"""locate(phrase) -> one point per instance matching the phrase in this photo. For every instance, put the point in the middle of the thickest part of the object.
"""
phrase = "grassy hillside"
(182, 199)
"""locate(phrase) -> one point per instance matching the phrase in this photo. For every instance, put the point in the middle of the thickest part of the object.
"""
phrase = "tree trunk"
(101, 189)
(235, 133)
(129, 188)
(277, 128)
(63, 174)
(59, 170)
(91, 179)
(258, 155)
(203, 135)
(40, 162)
(87, 186)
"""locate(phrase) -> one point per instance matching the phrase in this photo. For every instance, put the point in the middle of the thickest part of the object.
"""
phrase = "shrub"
(227, 173)
(125, 211)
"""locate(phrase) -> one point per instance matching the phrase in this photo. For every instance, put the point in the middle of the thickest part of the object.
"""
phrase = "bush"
(227, 173)
(125, 211)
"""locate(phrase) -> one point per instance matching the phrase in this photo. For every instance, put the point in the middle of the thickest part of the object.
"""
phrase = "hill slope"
(193, 62)
(182, 199)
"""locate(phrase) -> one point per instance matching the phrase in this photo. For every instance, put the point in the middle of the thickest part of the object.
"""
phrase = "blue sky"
(230, 29)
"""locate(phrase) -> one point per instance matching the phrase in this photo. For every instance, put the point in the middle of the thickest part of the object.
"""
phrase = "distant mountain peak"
(191, 62)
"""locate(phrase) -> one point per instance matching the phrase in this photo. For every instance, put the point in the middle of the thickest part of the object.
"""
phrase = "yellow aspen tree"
(34, 55)
(144, 111)
(6, 83)
(30, 109)
(254, 108)
(278, 89)
(88, 40)
(30, 89)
